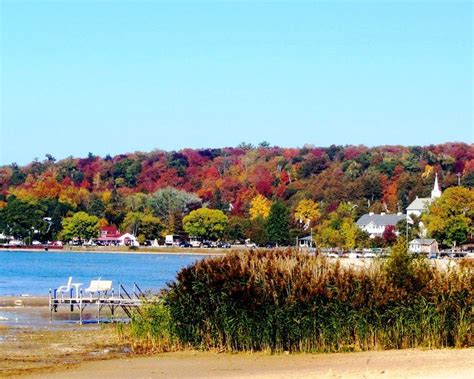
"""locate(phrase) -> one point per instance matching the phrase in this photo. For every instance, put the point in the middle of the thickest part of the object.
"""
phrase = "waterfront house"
(375, 224)
(111, 236)
(306, 242)
(423, 245)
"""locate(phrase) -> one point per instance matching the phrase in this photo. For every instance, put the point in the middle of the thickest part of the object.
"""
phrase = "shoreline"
(126, 250)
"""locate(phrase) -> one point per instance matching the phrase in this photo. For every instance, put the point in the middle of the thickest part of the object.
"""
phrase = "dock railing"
(129, 303)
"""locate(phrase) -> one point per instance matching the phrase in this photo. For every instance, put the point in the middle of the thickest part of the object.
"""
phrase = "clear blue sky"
(116, 77)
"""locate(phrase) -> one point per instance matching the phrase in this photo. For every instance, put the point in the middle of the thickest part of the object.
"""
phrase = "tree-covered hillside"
(383, 178)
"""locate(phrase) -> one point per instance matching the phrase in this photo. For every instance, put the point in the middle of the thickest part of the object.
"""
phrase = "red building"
(110, 235)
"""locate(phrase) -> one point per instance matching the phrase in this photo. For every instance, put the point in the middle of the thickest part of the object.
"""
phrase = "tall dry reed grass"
(287, 301)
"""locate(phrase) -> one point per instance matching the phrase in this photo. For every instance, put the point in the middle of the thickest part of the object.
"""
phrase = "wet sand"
(384, 364)
(29, 343)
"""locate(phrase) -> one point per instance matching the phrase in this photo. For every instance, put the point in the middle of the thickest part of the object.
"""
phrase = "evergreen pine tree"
(278, 224)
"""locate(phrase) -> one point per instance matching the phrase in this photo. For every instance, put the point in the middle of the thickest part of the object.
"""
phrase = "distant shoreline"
(126, 250)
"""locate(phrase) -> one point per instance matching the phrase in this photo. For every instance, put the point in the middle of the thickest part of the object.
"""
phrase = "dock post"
(50, 307)
(80, 309)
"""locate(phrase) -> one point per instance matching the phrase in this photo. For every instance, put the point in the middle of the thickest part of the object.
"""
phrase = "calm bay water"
(33, 273)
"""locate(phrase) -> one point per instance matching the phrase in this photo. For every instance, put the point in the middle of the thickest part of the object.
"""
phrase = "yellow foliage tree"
(307, 212)
(427, 172)
(259, 207)
(106, 196)
(103, 222)
(450, 218)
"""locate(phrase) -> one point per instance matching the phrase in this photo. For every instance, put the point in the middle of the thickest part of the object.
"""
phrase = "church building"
(421, 204)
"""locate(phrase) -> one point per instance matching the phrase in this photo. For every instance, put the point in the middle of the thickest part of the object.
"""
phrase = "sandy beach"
(384, 364)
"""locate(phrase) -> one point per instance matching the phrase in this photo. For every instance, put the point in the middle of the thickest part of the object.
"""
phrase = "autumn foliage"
(242, 181)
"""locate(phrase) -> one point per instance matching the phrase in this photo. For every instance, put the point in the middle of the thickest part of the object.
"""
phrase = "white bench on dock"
(99, 286)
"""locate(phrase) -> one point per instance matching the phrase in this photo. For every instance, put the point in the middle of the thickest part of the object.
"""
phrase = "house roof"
(380, 219)
(420, 203)
(109, 231)
(423, 241)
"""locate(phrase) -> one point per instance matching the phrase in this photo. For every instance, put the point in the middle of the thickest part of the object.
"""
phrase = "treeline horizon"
(242, 182)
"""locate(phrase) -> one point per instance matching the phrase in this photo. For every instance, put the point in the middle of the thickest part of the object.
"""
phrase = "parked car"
(369, 255)
(331, 255)
(185, 244)
(207, 244)
(224, 245)
(195, 243)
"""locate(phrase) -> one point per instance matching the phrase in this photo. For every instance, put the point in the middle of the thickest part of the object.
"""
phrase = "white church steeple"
(436, 191)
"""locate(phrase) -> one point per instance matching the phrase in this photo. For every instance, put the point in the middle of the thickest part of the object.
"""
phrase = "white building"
(423, 245)
(128, 239)
(375, 224)
(421, 204)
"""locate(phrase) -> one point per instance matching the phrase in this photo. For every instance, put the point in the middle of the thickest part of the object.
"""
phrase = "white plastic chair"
(64, 289)
(67, 288)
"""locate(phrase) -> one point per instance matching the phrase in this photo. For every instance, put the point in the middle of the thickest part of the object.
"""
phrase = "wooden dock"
(125, 301)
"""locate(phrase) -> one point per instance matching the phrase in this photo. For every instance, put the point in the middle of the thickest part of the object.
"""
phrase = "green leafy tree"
(138, 202)
(205, 223)
(22, 219)
(167, 202)
(450, 218)
(126, 171)
(151, 227)
(237, 228)
(413, 229)
(257, 231)
(278, 224)
(132, 222)
(96, 206)
(80, 225)
(17, 176)
(340, 230)
(175, 225)
(54, 213)
(139, 223)
(115, 210)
